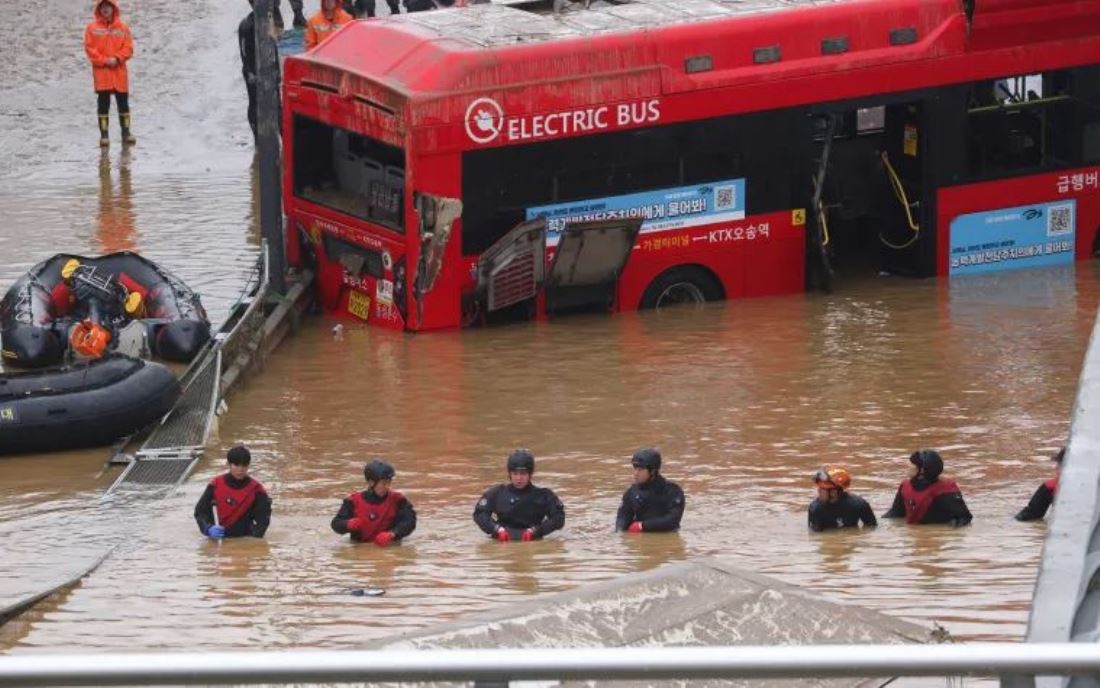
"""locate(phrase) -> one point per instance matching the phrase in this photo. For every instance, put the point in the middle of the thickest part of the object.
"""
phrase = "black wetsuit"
(255, 521)
(1037, 507)
(946, 508)
(537, 508)
(657, 503)
(847, 512)
(404, 522)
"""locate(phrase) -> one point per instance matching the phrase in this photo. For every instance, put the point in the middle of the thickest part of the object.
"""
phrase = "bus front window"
(349, 172)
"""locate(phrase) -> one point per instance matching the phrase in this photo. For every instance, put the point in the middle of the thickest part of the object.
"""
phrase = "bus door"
(867, 191)
(590, 257)
(583, 273)
(903, 165)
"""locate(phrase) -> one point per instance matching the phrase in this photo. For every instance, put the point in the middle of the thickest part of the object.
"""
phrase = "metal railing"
(174, 446)
(644, 663)
(1066, 603)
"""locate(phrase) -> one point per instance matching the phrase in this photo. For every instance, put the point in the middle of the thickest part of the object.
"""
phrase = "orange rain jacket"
(319, 27)
(103, 41)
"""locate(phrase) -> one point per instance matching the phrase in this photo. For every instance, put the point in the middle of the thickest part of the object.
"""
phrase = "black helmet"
(377, 470)
(928, 461)
(646, 458)
(521, 460)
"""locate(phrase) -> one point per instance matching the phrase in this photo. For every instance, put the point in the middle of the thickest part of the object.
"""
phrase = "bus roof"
(664, 46)
(507, 23)
(448, 51)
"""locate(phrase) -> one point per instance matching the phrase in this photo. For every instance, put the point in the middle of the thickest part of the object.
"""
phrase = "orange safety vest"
(318, 28)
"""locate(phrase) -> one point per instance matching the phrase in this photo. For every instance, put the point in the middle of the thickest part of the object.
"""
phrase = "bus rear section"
(346, 193)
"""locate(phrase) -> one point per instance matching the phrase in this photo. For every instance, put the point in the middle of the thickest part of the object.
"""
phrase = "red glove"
(528, 535)
(384, 538)
(502, 535)
(635, 527)
(355, 524)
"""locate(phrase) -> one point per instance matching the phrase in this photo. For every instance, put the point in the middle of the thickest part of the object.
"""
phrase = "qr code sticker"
(725, 197)
(1060, 219)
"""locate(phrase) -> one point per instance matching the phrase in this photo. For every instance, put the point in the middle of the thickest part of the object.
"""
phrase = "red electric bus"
(487, 163)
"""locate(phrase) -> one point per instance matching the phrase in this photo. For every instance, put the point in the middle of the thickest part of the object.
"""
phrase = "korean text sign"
(661, 210)
(1009, 238)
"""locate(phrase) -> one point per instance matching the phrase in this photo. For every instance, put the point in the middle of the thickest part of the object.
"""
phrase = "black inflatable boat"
(44, 307)
(83, 405)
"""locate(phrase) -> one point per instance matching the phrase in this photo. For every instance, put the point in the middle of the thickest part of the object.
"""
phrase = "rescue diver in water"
(517, 510)
(652, 504)
(925, 497)
(234, 504)
(378, 514)
(834, 506)
(1044, 496)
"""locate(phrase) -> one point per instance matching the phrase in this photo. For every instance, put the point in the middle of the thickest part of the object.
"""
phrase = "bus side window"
(1086, 90)
(1034, 122)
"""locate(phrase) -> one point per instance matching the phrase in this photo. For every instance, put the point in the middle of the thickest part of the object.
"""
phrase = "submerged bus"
(486, 163)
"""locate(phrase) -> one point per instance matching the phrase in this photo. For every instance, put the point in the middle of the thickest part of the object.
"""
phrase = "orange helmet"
(833, 477)
(89, 339)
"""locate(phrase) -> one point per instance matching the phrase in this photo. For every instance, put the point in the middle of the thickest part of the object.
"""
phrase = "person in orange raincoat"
(109, 46)
(322, 24)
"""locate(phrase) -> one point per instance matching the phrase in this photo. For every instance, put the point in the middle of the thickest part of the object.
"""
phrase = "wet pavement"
(745, 399)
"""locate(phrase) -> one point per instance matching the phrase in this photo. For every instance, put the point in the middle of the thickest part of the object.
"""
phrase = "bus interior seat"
(369, 171)
(395, 177)
(347, 171)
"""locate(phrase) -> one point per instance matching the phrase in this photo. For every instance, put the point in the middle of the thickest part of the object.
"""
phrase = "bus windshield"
(349, 172)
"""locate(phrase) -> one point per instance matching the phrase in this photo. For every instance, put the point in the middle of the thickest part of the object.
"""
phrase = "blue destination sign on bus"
(662, 210)
(1022, 237)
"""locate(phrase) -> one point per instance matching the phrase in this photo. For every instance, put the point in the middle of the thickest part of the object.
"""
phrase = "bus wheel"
(680, 286)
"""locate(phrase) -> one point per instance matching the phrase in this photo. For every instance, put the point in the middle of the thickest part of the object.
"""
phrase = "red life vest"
(376, 517)
(232, 503)
(1052, 485)
(917, 502)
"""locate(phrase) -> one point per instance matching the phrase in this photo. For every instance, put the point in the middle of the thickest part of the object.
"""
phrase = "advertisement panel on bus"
(663, 209)
(1010, 238)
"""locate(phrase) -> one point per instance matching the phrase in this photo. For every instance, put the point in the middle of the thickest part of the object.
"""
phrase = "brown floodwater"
(745, 399)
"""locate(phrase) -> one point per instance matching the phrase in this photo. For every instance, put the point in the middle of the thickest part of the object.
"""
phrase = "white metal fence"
(643, 663)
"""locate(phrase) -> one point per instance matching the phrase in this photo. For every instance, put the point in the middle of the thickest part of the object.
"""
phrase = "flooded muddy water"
(745, 399)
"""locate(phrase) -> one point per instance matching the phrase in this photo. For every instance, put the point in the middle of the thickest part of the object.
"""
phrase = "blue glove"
(216, 532)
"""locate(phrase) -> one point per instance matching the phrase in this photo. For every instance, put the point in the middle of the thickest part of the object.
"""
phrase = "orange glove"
(355, 524)
(384, 538)
(528, 535)
(502, 534)
(635, 527)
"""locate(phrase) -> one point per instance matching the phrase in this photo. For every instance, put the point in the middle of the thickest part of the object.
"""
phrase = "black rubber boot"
(104, 123)
(124, 122)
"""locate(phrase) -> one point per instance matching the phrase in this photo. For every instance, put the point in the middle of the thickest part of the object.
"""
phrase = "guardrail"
(497, 665)
(1066, 603)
